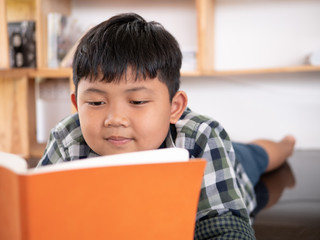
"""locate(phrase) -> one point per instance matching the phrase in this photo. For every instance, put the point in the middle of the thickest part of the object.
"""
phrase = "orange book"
(142, 195)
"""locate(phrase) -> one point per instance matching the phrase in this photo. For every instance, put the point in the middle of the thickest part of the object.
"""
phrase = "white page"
(13, 162)
(165, 155)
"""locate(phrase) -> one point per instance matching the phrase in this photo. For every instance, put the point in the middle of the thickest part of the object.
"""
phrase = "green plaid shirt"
(227, 195)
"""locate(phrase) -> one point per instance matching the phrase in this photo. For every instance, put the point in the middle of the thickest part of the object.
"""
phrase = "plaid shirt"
(227, 195)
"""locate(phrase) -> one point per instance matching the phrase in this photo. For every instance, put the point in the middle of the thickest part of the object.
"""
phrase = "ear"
(178, 105)
(74, 100)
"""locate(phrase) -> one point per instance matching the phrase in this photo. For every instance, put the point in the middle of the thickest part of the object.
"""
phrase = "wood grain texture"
(14, 119)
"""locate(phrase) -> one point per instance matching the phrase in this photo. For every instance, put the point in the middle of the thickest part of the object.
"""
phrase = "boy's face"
(126, 116)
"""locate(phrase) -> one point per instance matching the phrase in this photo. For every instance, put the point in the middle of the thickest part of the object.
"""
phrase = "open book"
(142, 195)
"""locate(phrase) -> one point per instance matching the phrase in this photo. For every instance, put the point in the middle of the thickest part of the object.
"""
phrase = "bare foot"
(288, 143)
(278, 152)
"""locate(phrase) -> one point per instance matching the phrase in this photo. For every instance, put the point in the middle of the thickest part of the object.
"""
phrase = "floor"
(293, 210)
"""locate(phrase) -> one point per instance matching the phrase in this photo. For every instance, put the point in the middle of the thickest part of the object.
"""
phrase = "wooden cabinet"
(17, 101)
(17, 96)
(33, 10)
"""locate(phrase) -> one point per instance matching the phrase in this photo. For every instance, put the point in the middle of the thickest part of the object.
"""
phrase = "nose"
(116, 117)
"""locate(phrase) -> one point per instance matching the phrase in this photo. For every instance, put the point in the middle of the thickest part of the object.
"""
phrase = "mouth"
(118, 141)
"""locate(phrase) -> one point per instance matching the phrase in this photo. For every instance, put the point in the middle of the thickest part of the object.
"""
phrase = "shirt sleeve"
(222, 209)
(220, 190)
(52, 153)
(225, 226)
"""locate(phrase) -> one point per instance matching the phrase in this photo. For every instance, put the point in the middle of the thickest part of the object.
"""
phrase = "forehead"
(154, 85)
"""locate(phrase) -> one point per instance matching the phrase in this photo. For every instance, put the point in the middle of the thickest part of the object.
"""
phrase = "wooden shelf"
(213, 73)
(37, 10)
(52, 73)
(17, 109)
(34, 72)
(15, 72)
(294, 69)
(190, 73)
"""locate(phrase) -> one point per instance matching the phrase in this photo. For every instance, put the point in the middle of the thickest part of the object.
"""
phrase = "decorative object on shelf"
(22, 44)
(63, 33)
(189, 60)
(314, 58)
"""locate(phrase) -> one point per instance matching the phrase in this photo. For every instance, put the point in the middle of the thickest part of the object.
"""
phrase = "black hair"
(128, 40)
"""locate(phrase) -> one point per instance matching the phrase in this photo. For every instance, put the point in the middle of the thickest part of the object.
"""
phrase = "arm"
(223, 192)
(222, 203)
(225, 226)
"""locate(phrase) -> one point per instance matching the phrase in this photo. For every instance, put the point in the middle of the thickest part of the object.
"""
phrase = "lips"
(118, 141)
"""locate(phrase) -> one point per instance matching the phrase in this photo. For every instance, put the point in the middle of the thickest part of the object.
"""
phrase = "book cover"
(143, 195)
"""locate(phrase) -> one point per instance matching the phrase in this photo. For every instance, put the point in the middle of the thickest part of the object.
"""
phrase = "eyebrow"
(100, 91)
(94, 90)
(136, 89)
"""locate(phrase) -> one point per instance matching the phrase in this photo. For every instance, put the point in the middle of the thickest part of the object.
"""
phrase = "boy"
(126, 73)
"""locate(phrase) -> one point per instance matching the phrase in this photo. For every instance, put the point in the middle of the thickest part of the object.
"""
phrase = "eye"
(99, 103)
(138, 102)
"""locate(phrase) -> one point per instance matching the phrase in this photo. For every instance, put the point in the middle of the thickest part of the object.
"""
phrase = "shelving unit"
(17, 117)
(293, 69)
(17, 107)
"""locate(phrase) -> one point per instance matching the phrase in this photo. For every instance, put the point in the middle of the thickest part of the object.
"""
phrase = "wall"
(263, 106)
(248, 34)
(263, 34)
(52, 104)
(177, 16)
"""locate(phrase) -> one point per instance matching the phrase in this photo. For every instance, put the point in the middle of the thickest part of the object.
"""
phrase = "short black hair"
(128, 40)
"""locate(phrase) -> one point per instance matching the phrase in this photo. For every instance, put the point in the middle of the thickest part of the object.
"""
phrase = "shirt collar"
(168, 142)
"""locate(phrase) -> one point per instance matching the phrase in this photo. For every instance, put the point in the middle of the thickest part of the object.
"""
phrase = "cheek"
(90, 123)
(153, 125)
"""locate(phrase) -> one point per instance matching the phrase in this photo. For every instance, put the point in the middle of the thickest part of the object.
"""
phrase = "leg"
(278, 152)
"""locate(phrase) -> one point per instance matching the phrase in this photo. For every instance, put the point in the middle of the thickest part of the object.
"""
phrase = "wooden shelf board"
(293, 69)
(14, 72)
(33, 72)
(190, 73)
(53, 72)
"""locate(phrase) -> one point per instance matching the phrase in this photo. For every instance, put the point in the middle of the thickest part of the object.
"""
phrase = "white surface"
(248, 34)
(178, 16)
(13, 162)
(264, 33)
(52, 105)
(165, 155)
(262, 106)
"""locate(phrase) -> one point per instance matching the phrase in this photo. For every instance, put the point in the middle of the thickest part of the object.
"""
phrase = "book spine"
(54, 21)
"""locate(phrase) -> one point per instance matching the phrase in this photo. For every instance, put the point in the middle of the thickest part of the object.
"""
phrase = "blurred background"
(253, 65)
